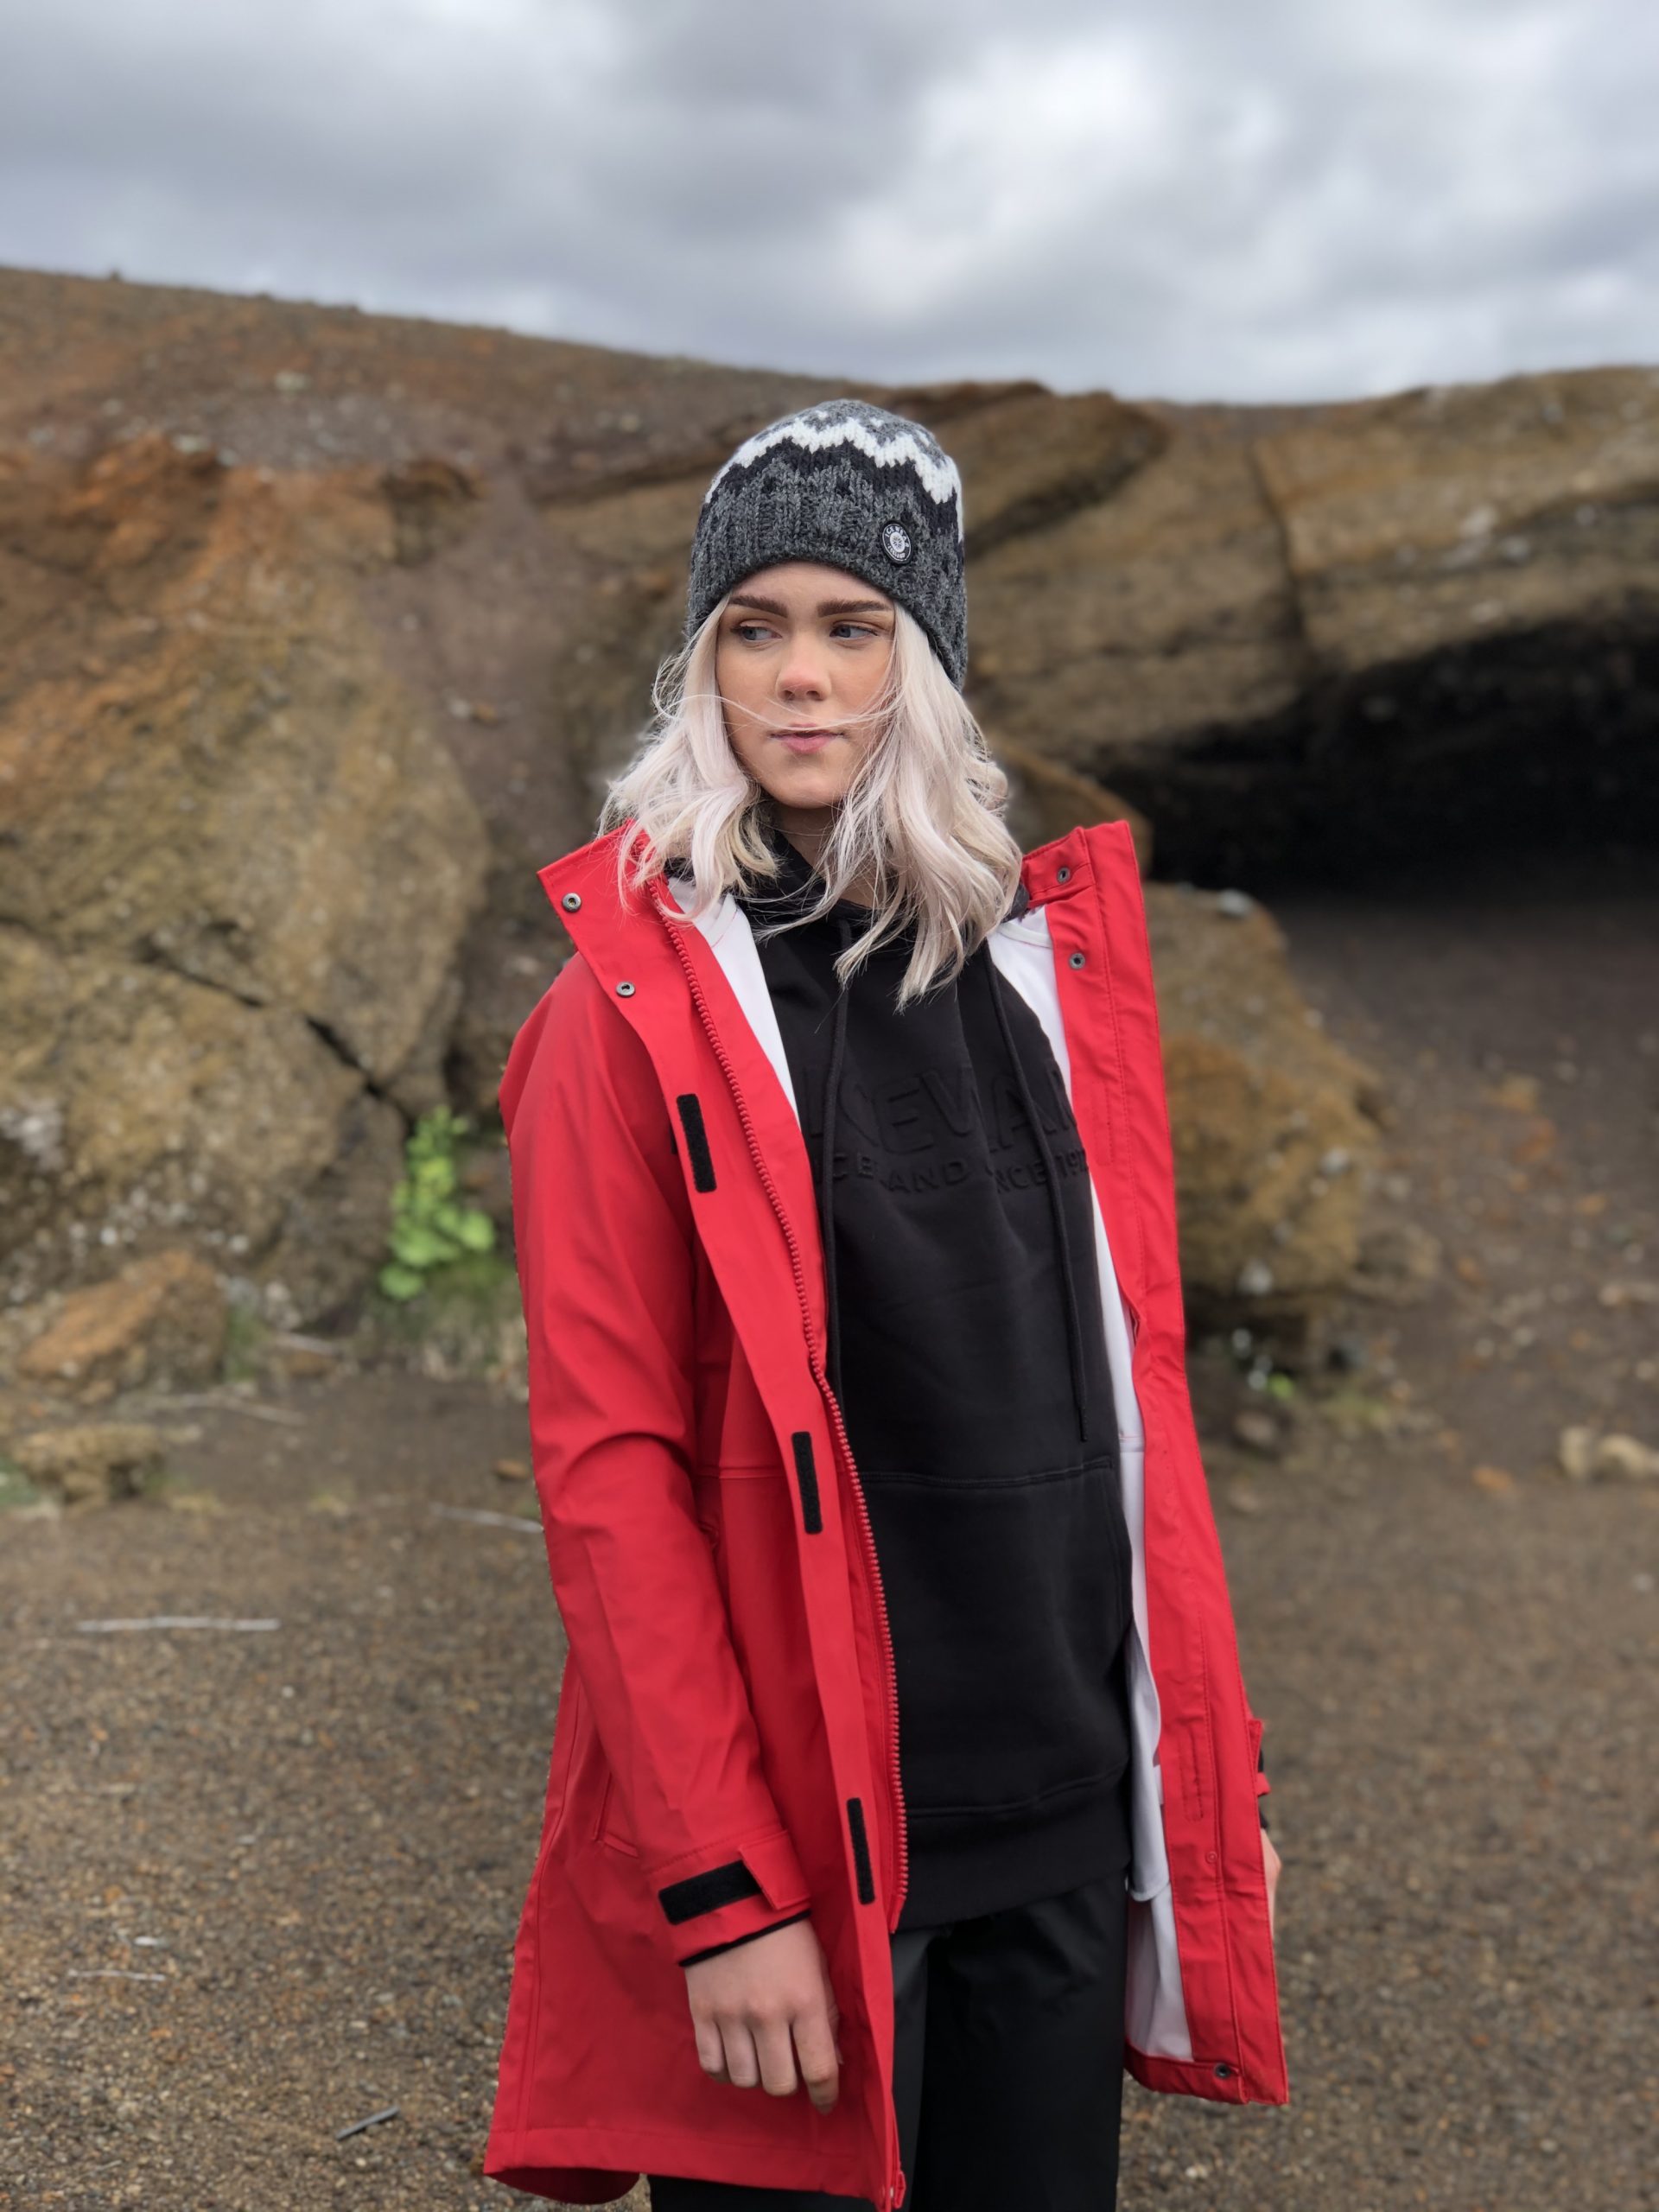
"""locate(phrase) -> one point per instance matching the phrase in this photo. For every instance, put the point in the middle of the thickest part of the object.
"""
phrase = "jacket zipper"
(898, 1868)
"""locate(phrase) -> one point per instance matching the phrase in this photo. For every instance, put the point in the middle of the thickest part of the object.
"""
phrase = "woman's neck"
(808, 828)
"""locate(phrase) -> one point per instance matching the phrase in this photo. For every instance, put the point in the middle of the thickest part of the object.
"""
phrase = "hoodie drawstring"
(1056, 1203)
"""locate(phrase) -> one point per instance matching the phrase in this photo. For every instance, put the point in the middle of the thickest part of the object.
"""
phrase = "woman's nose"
(801, 675)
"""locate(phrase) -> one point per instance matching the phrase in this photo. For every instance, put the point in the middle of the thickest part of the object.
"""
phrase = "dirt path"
(263, 1884)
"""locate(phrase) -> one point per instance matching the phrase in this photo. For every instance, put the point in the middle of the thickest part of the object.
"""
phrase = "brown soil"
(264, 1884)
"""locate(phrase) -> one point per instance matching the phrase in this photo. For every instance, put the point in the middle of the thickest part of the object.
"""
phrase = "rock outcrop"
(1356, 634)
(93, 1463)
(238, 867)
(320, 632)
(1275, 1128)
(139, 1109)
(162, 1322)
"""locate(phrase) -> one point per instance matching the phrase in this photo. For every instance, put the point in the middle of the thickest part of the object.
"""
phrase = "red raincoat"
(726, 1745)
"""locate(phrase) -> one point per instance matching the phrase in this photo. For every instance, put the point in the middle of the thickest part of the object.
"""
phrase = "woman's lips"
(806, 741)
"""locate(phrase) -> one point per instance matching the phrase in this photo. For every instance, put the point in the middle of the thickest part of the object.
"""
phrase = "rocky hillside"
(318, 631)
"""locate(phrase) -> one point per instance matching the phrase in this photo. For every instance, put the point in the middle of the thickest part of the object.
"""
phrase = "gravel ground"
(262, 1883)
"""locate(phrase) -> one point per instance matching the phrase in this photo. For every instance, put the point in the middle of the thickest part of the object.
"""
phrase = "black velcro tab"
(697, 1140)
(861, 1850)
(708, 1893)
(806, 1474)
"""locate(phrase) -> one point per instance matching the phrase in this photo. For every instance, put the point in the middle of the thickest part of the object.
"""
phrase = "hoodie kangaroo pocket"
(1017, 1603)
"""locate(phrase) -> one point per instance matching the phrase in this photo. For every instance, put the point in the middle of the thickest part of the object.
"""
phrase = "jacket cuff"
(713, 1898)
(714, 1949)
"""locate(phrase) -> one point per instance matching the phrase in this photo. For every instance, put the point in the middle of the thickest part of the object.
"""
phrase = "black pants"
(1007, 2065)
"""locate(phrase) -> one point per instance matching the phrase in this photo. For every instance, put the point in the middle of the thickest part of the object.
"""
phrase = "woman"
(903, 1772)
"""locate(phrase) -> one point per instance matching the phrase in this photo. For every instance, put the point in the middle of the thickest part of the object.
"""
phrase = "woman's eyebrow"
(825, 606)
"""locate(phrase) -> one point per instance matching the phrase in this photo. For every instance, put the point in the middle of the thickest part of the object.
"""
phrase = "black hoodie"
(966, 1352)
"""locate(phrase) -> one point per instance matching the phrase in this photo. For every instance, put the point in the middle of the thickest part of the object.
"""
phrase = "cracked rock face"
(237, 868)
(180, 1116)
(208, 767)
(300, 610)
(1351, 633)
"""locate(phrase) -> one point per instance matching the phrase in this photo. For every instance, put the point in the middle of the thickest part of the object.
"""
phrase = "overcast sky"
(1197, 199)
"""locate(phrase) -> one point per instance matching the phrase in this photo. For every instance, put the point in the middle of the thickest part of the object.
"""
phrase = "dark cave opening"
(1540, 748)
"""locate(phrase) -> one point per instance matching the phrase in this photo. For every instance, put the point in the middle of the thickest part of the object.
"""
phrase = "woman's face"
(801, 653)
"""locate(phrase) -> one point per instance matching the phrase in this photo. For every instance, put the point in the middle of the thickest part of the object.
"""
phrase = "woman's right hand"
(765, 2008)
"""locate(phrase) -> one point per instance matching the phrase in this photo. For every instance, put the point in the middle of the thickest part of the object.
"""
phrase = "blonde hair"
(922, 818)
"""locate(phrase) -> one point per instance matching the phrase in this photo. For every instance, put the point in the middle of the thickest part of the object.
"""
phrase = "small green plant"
(431, 1227)
(15, 1488)
(246, 1333)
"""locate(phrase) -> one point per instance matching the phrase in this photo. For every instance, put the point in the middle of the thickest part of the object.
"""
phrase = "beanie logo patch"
(895, 541)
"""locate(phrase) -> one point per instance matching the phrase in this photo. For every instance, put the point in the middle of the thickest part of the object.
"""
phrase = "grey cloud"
(1198, 201)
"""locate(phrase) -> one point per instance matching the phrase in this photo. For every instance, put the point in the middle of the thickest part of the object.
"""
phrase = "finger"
(820, 2056)
(742, 2067)
(711, 2051)
(777, 2054)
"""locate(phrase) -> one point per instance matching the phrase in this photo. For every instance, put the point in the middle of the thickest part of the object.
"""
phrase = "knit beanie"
(849, 484)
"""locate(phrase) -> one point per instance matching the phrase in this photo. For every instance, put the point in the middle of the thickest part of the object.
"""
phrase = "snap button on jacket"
(725, 1752)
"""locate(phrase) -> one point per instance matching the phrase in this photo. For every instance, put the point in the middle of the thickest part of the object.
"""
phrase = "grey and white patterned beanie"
(852, 485)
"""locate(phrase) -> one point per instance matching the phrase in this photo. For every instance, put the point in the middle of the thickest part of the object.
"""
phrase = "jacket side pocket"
(570, 1722)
